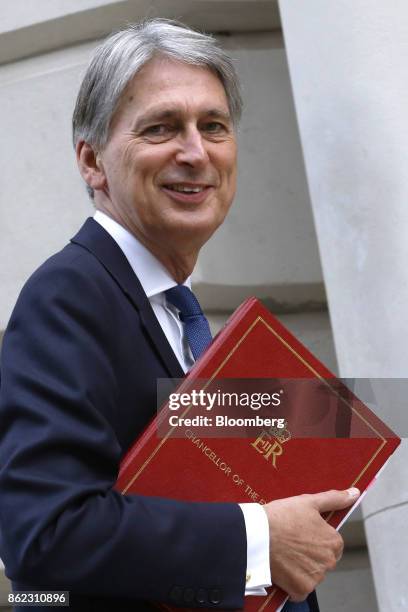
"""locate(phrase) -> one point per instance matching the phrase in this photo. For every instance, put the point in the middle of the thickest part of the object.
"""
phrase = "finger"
(335, 500)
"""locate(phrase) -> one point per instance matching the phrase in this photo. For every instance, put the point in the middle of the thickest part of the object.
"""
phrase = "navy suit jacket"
(79, 364)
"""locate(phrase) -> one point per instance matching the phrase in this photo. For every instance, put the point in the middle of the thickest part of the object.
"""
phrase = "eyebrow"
(160, 115)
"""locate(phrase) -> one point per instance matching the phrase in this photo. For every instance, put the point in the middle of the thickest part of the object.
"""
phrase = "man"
(98, 323)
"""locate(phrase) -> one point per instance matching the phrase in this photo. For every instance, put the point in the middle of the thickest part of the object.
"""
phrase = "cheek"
(117, 169)
(230, 175)
(227, 161)
(148, 161)
(230, 180)
(128, 160)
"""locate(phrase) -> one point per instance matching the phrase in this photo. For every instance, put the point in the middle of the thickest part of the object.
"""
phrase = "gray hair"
(118, 59)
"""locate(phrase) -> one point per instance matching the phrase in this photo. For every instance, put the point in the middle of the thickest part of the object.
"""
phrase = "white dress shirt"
(155, 280)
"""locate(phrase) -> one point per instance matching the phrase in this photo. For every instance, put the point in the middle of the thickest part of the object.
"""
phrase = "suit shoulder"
(70, 266)
(72, 260)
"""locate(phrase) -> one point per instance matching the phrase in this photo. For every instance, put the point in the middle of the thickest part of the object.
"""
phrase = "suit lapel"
(96, 239)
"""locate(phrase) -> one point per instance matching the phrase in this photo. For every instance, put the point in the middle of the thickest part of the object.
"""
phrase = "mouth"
(187, 192)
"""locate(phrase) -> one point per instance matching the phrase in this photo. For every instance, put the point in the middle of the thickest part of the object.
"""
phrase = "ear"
(90, 165)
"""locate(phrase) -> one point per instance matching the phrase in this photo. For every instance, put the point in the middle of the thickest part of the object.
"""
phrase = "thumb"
(335, 500)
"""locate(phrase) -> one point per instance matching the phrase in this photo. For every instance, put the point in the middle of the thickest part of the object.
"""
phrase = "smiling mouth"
(189, 194)
(186, 188)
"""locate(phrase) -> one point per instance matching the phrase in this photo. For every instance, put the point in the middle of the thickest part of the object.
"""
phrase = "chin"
(200, 223)
(197, 233)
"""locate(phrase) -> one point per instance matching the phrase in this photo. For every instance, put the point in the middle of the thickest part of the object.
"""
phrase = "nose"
(192, 150)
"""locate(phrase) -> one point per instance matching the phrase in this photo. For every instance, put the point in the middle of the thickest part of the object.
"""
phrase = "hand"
(303, 547)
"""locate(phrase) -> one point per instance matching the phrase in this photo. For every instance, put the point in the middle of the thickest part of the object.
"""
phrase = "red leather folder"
(346, 445)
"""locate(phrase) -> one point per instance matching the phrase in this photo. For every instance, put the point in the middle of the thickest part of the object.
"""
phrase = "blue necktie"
(290, 606)
(196, 325)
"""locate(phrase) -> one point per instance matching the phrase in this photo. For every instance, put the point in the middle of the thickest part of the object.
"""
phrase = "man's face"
(170, 161)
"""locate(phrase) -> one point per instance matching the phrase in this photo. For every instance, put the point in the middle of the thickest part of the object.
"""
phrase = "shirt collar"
(153, 276)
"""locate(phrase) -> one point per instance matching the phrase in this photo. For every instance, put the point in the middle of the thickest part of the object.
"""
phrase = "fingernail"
(353, 492)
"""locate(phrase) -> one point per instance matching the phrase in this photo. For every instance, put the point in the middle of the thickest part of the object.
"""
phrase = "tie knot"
(184, 299)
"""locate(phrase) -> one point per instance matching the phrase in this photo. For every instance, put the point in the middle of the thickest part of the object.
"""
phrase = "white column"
(348, 65)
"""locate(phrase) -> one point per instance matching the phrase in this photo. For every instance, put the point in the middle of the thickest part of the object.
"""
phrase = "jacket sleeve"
(62, 525)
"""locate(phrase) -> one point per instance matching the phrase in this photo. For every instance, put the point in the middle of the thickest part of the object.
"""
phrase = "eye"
(156, 129)
(159, 132)
(214, 127)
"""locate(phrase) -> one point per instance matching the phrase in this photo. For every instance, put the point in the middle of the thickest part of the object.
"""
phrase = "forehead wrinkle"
(158, 114)
(177, 112)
